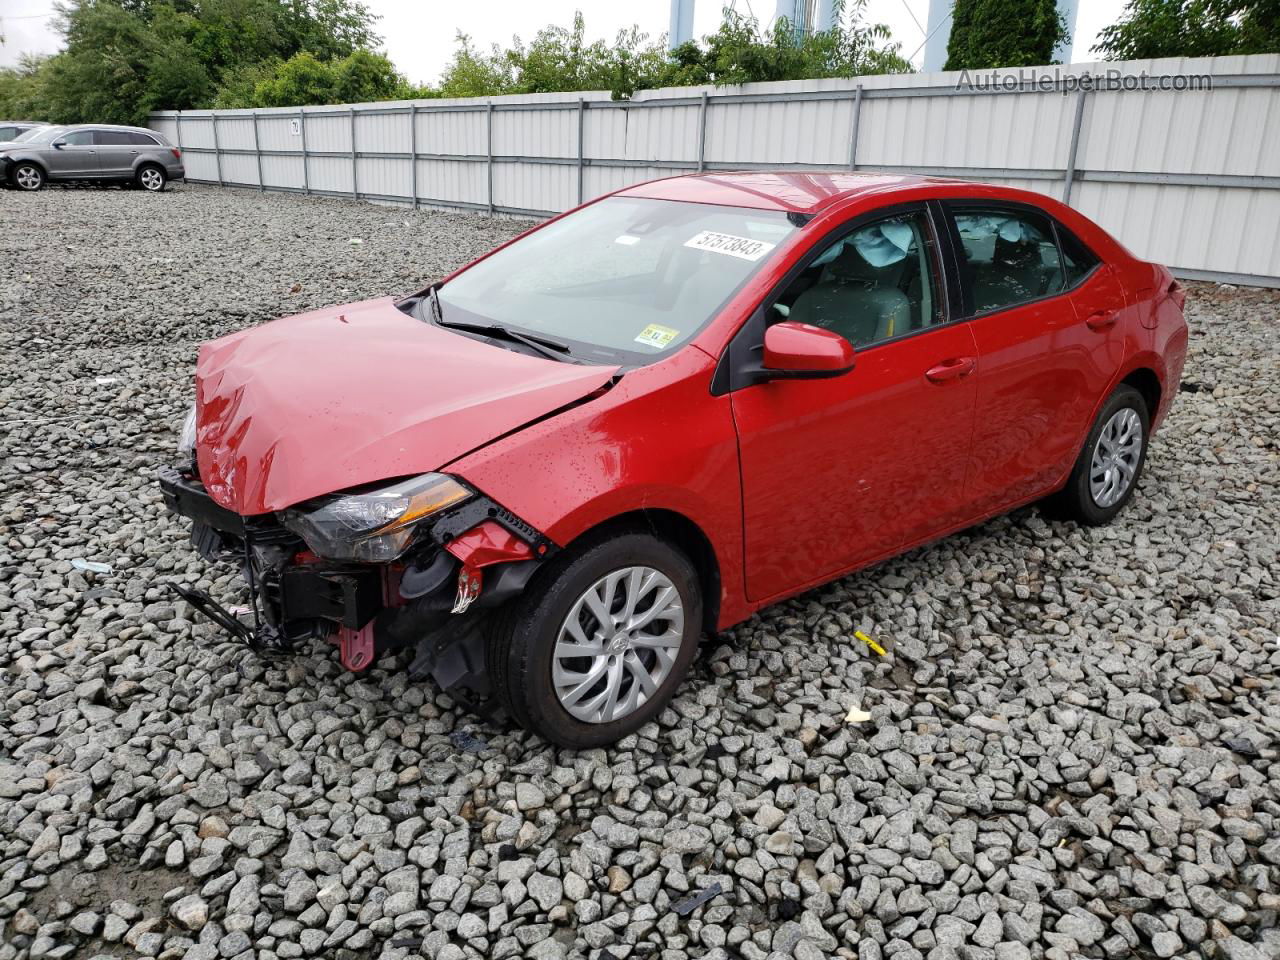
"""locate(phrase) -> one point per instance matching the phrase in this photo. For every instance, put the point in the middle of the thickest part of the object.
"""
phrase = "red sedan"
(550, 474)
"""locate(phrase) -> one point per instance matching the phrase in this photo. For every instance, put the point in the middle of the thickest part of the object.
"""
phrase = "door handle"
(952, 369)
(1102, 319)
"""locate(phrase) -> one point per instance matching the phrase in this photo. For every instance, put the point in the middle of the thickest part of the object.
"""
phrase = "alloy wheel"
(28, 178)
(1114, 462)
(152, 179)
(618, 644)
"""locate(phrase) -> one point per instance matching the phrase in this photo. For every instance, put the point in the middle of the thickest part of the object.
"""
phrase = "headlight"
(374, 527)
(187, 438)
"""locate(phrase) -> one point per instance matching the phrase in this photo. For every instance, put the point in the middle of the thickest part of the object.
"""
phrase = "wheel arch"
(1140, 373)
(1146, 381)
(682, 533)
(34, 162)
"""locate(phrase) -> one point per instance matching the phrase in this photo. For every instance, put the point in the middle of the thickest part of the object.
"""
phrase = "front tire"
(599, 642)
(152, 178)
(1108, 468)
(28, 177)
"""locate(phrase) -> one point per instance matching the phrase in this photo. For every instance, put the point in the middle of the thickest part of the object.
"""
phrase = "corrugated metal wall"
(1189, 177)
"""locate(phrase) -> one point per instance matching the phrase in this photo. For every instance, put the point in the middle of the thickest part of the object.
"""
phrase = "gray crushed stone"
(1044, 774)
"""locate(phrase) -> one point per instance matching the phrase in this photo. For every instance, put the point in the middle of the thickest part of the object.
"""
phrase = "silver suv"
(90, 152)
(12, 129)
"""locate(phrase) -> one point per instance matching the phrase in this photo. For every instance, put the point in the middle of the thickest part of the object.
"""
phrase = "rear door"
(76, 158)
(837, 473)
(116, 153)
(1044, 317)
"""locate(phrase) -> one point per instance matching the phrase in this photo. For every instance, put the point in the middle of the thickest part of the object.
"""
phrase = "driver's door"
(76, 157)
(837, 473)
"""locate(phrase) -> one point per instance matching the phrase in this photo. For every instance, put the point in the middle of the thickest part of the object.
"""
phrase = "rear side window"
(8, 133)
(111, 138)
(1010, 256)
(1077, 259)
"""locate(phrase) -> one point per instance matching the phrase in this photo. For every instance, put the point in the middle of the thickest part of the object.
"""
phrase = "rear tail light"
(177, 154)
(1177, 294)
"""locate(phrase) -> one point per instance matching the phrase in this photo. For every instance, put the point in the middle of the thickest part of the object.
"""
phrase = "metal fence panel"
(1190, 178)
(279, 172)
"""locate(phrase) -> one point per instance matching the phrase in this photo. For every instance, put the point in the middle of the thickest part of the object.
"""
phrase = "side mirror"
(59, 144)
(798, 351)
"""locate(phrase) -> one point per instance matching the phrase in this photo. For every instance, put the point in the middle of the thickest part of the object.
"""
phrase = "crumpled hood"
(353, 394)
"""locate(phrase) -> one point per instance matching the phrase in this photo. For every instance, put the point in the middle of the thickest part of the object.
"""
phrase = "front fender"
(657, 440)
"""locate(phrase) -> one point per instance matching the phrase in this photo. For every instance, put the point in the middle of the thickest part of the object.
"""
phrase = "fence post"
(489, 153)
(217, 150)
(178, 130)
(355, 162)
(581, 114)
(702, 133)
(413, 151)
(257, 152)
(306, 165)
(1069, 179)
(853, 133)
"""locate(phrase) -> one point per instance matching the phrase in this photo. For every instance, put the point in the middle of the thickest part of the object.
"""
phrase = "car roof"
(789, 191)
(107, 126)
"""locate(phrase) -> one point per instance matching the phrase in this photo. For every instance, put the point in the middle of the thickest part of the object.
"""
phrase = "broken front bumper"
(467, 561)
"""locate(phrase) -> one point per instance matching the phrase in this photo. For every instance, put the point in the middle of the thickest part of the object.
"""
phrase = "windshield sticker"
(744, 248)
(656, 335)
(627, 240)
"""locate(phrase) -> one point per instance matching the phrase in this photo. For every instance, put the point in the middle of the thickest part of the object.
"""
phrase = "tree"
(740, 51)
(125, 58)
(1192, 28)
(986, 34)
(302, 79)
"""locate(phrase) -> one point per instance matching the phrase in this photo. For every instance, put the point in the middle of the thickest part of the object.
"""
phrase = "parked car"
(550, 473)
(91, 153)
(10, 130)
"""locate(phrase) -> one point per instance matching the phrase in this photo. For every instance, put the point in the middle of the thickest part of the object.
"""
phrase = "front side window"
(79, 138)
(1009, 256)
(624, 280)
(876, 282)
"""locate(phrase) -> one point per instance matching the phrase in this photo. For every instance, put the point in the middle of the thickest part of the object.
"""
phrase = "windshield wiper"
(544, 345)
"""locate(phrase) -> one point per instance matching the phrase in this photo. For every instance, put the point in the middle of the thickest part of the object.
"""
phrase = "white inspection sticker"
(744, 248)
(656, 335)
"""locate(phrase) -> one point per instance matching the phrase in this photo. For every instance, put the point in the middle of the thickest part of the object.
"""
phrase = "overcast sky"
(420, 33)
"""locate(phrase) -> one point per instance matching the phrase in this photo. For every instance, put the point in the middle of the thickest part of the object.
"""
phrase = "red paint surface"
(798, 346)
(792, 482)
(487, 544)
(350, 395)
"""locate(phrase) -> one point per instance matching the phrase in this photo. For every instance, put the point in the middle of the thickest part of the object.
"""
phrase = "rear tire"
(1108, 469)
(152, 178)
(629, 666)
(28, 177)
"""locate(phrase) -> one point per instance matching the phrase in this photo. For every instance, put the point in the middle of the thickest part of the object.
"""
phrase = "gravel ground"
(1071, 750)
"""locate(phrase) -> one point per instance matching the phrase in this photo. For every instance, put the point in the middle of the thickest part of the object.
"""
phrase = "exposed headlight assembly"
(376, 526)
(187, 438)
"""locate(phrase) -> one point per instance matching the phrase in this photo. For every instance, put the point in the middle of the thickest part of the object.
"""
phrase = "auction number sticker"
(744, 248)
(656, 335)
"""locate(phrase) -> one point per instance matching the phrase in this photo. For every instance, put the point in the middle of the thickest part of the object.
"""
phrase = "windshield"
(624, 280)
(40, 135)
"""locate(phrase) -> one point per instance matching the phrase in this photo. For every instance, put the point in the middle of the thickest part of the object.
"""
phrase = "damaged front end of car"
(419, 563)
